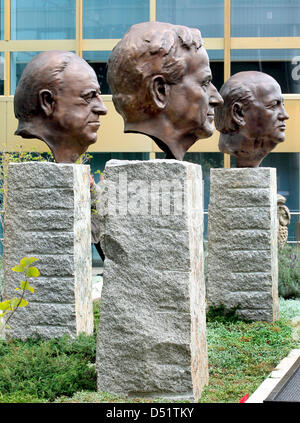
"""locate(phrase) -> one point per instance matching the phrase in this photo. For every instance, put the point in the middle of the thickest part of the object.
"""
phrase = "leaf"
(32, 272)
(27, 261)
(5, 305)
(25, 285)
(14, 302)
(23, 303)
(18, 268)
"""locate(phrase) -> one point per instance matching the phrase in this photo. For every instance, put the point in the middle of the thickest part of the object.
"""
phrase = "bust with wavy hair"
(160, 80)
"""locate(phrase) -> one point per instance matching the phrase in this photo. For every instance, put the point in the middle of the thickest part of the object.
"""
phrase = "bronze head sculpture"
(58, 101)
(160, 80)
(252, 119)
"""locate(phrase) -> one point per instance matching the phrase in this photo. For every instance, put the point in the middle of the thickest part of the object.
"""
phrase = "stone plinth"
(242, 268)
(152, 333)
(48, 216)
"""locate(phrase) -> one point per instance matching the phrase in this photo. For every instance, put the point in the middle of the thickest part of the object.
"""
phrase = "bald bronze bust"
(58, 101)
(160, 80)
(252, 119)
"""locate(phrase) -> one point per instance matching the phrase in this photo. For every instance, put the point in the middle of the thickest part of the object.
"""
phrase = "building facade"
(239, 35)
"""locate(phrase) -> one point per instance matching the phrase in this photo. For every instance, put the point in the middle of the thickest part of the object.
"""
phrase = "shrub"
(47, 369)
(289, 272)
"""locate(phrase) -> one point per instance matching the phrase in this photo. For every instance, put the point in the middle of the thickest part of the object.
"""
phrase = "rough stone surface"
(152, 333)
(242, 242)
(48, 216)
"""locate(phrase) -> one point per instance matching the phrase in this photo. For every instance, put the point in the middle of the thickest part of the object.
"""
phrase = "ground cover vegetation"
(241, 355)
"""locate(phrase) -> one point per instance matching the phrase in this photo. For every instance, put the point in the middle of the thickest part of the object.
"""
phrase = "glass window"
(43, 20)
(268, 18)
(216, 62)
(206, 15)
(282, 65)
(18, 61)
(2, 70)
(1, 19)
(98, 61)
(112, 18)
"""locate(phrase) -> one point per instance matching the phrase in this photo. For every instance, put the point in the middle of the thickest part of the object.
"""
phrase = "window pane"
(206, 15)
(18, 61)
(282, 65)
(112, 18)
(98, 61)
(1, 19)
(2, 73)
(268, 18)
(216, 61)
(43, 20)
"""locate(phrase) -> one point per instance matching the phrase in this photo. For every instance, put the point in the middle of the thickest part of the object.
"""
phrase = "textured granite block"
(47, 216)
(152, 333)
(242, 268)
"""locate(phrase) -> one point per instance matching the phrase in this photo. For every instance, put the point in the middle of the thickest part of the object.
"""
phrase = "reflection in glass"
(98, 61)
(2, 73)
(268, 18)
(18, 61)
(43, 20)
(206, 15)
(282, 65)
(216, 61)
(112, 18)
(1, 19)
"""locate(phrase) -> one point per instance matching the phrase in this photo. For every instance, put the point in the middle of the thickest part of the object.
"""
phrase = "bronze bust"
(252, 119)
(160, 79)
(58, 101)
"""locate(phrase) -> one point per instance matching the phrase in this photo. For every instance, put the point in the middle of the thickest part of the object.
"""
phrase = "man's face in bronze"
(192, 101)
(78, 104)
(265, 118)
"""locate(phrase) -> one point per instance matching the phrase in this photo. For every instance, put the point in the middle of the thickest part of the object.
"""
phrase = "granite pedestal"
(48, 216)
(152, 333)
(242, 267)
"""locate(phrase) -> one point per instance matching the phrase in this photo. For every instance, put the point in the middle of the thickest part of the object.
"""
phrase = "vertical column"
(152, 333)
(242, 268)
(47, 216)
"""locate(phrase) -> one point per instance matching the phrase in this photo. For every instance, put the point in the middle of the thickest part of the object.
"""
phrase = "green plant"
(222, 314)
(45, 370)
(289, 272)
(12, 304)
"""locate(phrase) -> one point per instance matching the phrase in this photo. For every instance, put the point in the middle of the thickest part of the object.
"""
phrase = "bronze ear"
(46, 99)
(159, 90)
(237, 113)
